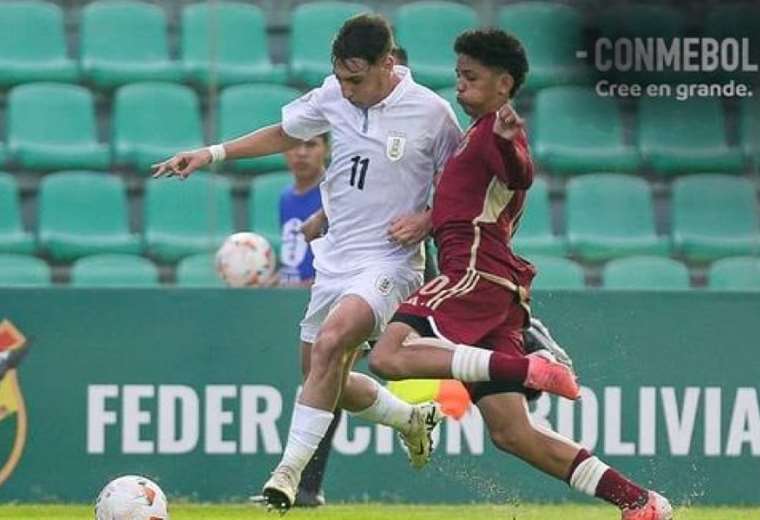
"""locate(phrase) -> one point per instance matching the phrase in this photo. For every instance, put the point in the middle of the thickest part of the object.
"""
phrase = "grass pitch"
(384, 512)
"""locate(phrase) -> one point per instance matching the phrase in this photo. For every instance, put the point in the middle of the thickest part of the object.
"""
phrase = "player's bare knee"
(383, 364)
(327, 350)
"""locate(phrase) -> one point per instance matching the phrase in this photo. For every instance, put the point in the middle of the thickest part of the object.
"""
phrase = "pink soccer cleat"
(551, 376)
(656, 508)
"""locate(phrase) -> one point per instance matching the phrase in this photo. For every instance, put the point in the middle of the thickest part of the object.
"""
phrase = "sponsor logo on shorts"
(384, 285)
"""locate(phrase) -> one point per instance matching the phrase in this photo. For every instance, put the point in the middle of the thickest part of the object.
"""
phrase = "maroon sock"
(507, 368)
(580, 457)
(618, 490)
(612, 487)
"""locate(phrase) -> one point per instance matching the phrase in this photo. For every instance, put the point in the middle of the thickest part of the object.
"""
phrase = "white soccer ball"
(245, 260)
(131, 497)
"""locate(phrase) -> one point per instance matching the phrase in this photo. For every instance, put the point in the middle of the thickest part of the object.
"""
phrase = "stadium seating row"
(648, 273)
(84, 213)
(573, 130)
(126, 41)
(637, 272)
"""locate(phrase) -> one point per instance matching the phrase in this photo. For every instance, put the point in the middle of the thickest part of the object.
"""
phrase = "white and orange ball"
(245, 260)
(131, 497)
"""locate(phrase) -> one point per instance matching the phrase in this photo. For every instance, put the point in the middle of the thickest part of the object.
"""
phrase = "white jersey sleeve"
(304, 118)
(447, 139)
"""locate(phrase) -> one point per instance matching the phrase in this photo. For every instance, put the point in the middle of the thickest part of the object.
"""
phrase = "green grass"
(383, 512)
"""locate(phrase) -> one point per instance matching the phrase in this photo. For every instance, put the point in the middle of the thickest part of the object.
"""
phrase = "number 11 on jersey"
(357, 161)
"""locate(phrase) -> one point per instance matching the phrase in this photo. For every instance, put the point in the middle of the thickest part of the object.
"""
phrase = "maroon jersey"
(478, 203)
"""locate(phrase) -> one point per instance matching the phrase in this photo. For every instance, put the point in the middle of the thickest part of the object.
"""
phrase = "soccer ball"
(245, 260)
(131, 497)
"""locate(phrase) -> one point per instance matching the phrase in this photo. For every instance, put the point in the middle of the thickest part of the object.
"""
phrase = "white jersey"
(382, 165)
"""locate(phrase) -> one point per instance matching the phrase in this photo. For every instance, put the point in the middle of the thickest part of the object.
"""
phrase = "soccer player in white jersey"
(390, 136)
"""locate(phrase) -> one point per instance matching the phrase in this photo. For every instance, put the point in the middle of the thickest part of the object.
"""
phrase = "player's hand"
(507, 123)
(314, 225)
(182, 164)
(411, 229)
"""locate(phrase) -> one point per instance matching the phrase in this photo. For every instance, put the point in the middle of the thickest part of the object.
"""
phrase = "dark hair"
(366, 36)
(495, 49)
(400, 54)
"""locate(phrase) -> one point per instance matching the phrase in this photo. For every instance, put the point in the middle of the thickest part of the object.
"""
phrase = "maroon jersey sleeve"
(517, 167)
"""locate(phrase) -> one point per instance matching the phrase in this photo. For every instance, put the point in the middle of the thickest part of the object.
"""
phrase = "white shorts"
(383, 287)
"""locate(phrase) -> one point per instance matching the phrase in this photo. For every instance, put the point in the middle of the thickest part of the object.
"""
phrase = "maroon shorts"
(470, 310)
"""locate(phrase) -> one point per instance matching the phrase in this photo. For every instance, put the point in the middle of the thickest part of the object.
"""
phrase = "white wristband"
(218, 153)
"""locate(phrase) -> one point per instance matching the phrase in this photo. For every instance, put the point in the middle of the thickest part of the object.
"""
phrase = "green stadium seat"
(735, 274)
(535, 236)
(735, 20)
(749, 130)
(714, 216)
(124, 41)
(313, 27)
(84, 213)
(244, 108)
(574, 131)
(450, 95)
(187, 217)
(198, 270)
(32, 43)
(227, 44)
(685, 136)
(643, 21)
(645, 273)
(36, 143)
(152, 122)
(611, 215)
(427, 31)
(551, 33)
(264, 206)
(13, 238)
(555, 272)
(23, 271)
(3, 155)
(109, 270)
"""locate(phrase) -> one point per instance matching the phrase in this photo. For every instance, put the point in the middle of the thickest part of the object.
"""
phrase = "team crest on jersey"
(384, 285)
(13, 422)
(394, 146)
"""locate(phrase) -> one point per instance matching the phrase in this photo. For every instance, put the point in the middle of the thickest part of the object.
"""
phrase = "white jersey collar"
(398, 91)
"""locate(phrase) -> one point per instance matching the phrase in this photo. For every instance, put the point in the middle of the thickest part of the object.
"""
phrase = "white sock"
(387, 409)
(306, 432)
(471, 364)
(587, 475)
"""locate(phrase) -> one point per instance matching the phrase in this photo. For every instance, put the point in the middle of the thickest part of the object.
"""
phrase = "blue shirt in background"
(296, 258)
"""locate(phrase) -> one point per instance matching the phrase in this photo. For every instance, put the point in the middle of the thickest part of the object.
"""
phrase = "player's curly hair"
(366, 36)
(497, 49)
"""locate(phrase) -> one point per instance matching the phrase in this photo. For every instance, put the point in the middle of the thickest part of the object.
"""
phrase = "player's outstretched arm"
(265, 141)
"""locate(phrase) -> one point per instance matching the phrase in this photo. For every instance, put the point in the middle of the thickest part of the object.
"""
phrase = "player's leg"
(512, 430)
(402, 354)
(366, 399)
(348, 324)
(310, 493)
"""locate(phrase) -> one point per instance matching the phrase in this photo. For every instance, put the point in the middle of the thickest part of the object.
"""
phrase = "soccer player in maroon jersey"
(467, 323)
